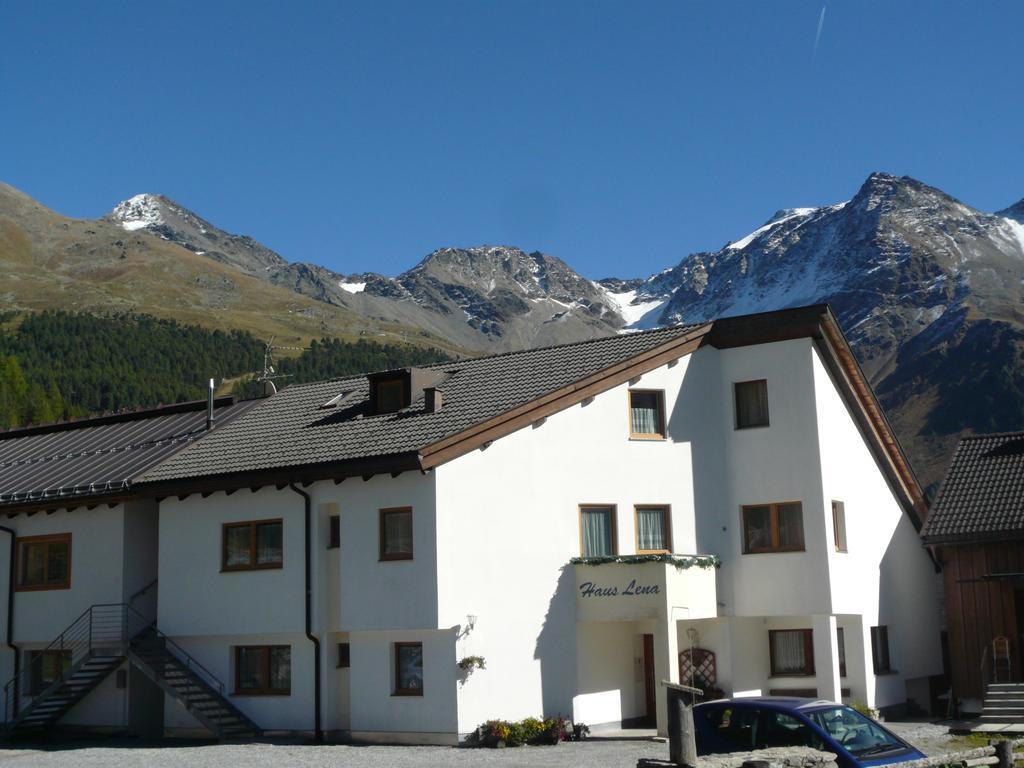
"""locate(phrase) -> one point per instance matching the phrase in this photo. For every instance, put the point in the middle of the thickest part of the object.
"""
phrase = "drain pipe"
(318, 734)
(10, 620)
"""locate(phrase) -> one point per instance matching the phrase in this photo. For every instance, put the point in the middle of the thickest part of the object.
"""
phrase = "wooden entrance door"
(649, 689)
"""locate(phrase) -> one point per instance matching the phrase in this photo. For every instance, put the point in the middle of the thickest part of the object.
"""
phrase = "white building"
(331, 554)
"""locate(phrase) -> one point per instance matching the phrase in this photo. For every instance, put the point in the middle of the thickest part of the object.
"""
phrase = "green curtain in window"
(650, 529)
(597, 531)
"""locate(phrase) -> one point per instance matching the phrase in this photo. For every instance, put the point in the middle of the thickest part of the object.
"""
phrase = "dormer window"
(390, 395)
(391, 391)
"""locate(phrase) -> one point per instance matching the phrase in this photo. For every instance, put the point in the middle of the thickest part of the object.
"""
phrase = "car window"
(860, 736)
(777, 729)
(735, 725)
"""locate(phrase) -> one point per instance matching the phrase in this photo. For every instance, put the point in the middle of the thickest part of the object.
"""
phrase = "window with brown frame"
(46, 668)
(408, 669)
(334, 532)
(252, 545)
(44, 562)
(791, 652)
(751, 403)
(773, 528)
(396, 533)
(597, 530)
(263, 670)
(653, 528)
(647, 414)
(839, 525)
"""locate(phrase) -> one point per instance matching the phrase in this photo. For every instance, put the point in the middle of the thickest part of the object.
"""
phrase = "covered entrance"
(627, 612)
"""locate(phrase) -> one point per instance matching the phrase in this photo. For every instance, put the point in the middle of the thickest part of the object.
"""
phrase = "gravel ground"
(931, 739)
(593, 754)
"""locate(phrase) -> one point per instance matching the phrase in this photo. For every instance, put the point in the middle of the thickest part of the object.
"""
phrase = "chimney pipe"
(433, 399)
(209, 406)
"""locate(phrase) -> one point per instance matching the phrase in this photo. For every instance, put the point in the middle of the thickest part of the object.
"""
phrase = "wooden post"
(1004, 751)
(682, 737)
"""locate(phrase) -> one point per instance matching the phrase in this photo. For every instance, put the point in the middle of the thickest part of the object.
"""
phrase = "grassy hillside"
(49, 261)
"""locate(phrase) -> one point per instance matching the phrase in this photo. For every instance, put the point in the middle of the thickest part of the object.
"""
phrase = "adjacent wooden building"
(976, 528)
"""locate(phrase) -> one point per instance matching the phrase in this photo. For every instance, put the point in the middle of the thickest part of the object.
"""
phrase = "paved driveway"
(592, 754)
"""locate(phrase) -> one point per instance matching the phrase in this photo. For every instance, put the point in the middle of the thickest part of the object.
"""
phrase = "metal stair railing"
(183, 657)
(104, 629)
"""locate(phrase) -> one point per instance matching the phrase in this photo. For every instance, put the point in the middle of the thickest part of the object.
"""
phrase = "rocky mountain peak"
(1015, 212)
(161, 216)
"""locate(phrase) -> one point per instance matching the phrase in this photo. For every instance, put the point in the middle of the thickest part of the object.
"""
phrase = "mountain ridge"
(918, 279)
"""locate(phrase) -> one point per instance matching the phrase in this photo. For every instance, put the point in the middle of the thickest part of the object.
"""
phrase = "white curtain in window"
(644, 413)
(268, 543)
(597, 531)
(398, 533)
(789, 652)
(650, 528)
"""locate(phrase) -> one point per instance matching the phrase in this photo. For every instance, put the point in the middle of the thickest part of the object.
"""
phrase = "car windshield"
(860, 736)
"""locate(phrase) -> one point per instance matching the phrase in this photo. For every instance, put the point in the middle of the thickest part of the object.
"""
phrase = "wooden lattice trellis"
(700, 663)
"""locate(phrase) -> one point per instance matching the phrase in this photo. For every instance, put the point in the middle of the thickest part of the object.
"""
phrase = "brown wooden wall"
(978, 611)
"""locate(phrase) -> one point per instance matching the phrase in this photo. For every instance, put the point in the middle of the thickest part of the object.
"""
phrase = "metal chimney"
(209, 406)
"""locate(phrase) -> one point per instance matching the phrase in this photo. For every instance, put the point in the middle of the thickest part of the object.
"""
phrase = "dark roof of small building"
(982, 495)
(92, 458)
(293, 428)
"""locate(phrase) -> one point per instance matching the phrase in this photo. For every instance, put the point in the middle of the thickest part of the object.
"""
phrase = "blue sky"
(617, 136)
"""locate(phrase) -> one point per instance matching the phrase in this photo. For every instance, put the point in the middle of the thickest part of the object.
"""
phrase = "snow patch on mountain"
(352, 287)
(637, 314)
(138, 212)
(1016, 230)
(780, 218)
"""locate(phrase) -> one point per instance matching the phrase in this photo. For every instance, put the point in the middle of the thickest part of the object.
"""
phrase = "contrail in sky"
(817, 37)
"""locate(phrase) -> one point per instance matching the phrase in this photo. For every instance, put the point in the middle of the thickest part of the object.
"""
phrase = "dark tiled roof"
(99, 456)
(982, 496)
(292, 428)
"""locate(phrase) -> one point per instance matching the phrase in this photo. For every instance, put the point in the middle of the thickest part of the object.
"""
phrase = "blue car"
(743, 725)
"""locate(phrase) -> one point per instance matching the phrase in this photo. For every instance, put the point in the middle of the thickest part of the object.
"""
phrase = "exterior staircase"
(178, 674)
(1004, 703)
(91, 648)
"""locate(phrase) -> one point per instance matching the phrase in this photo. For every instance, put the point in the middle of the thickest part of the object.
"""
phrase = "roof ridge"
(510, 353)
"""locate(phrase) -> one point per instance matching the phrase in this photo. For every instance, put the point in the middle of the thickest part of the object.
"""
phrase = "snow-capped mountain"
(928, 290)
(161, 216)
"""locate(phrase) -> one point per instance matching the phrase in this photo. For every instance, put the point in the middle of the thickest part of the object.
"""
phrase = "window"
(839, 525)
(408, 669)
(773, 528)
(344, 656)
(390, 395)
(263, 670)
(653, 529)
(735, 726)
(647, 414)
(252, 545)
(841, 646)
(880, 650)
(751, 404)
(777, 729)
(396, 533)
(792, 652)
(44, 562)
(597, 530)
(46, 668)
(334, 533)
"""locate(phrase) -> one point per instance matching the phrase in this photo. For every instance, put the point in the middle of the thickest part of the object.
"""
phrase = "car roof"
(777, 702)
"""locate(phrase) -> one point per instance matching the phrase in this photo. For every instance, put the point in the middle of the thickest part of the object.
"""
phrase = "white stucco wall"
(508, 523)
(379, 714)
(97, 556)
(886, 575)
